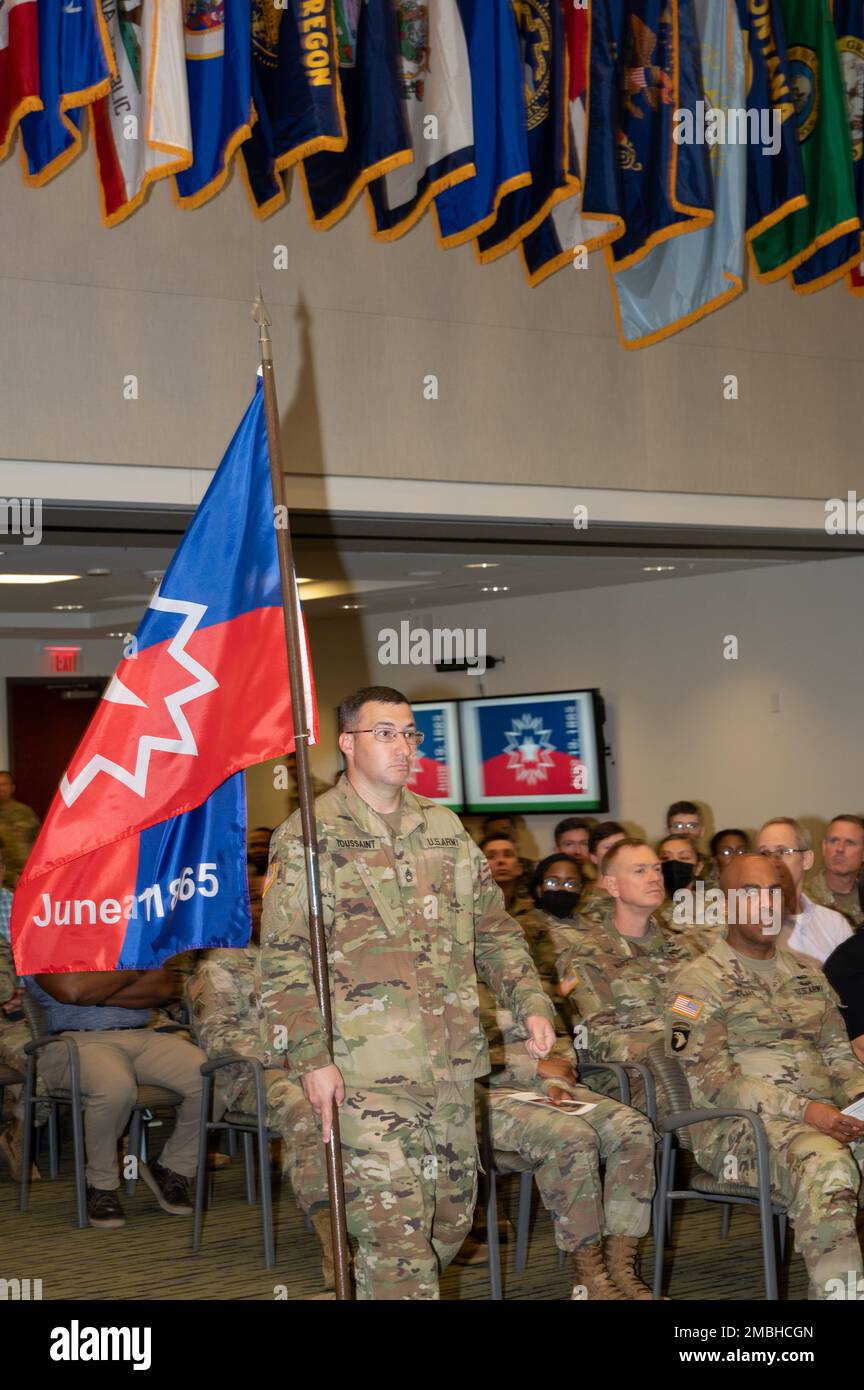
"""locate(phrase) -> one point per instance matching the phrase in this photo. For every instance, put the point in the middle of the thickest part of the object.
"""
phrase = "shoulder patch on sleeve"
(687, 1008)
(569, 983)
(679, 1036)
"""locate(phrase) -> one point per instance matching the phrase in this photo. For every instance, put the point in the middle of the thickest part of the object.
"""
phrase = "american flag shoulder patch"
(687, 1007)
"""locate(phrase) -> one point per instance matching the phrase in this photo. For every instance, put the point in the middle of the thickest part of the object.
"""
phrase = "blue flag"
(75, 69)
(667, 187)
(682, 280)
(543, 47)
(379, 140)
(297, 94)
(219, 80)
(500, 140)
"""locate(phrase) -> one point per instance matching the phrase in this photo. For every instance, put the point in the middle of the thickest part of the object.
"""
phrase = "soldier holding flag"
(409, 905)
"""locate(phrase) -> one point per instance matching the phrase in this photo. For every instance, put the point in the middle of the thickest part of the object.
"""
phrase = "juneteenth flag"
(143, 851)
(19, 67)
(75, 68)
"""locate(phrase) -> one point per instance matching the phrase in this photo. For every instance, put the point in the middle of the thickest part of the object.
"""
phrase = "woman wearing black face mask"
(557, 885)
(681, 866)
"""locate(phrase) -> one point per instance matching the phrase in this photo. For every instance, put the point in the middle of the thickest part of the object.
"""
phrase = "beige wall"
(533, 386)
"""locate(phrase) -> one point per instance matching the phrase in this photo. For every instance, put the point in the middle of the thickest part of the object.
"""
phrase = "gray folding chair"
(251, 1126)
(681, 1116)
(149, 1099)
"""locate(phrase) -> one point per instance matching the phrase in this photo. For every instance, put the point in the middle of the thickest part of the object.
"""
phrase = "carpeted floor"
(150, 1258)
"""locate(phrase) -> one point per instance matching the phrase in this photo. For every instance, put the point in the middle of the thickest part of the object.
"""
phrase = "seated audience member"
(836, 883)
(595, 900)
(571, 837)
(224, 997)
(756, 1030)
(19, 826)
(845, 971)
(685, 818)
(681, 867)
(508, 827)
(556, 888)
(600, 1220)
(810, 931)
(258, 847)
(108, 1014)
(724, 846)
(506, 869)
(615, 970)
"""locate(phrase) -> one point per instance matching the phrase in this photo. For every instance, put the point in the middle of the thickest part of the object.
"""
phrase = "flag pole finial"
(261, 316)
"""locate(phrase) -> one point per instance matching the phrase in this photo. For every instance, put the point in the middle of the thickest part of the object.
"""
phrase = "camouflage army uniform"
(565, 1151)
(18, 827)
(224, 997)
(817, 888)
(537, 927)
(406, 915)
(696, 936)
(772, 1044)
(595, 902)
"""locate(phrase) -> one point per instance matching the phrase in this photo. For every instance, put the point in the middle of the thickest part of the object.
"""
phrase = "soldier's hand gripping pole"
(294, 638)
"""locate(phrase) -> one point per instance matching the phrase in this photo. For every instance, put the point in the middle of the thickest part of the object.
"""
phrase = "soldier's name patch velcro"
(680, 1036)
(441, 842)
(356, 844)
(685, 1006)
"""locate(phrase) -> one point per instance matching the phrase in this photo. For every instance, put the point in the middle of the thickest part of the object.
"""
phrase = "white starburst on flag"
(529, 751)
(118, 694)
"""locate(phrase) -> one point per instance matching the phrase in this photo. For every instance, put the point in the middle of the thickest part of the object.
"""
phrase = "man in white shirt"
(810, 931)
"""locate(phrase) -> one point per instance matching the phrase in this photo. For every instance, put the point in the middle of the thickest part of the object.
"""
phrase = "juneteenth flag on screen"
(19, 67)
(143, 851)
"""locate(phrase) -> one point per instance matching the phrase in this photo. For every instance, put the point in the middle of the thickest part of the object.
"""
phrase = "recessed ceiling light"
(68, 607)
(495, 589)
(482, 565)
(155, 575)
(98, 572)
(36, 578)
(351, 607)
(657, 569)
(424, 574)
(118, 634)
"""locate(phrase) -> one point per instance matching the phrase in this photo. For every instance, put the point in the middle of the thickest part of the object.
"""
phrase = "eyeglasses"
(781, 852)
(387, 735)
(570, 885)
(684, 825)
(730, 853)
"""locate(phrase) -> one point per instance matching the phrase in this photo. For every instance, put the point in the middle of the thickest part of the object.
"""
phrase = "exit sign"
(61, 661)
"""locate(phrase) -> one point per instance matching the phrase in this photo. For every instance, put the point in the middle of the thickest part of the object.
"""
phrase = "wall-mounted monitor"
(438, 765)
(525, 753)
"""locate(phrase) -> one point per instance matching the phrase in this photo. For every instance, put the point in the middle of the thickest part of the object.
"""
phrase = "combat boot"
(321, 1226)
(591, 1274)
(620, 1253)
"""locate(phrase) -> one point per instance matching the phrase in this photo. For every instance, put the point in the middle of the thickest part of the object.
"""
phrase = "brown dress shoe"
(170, 1189)
(103, 1208)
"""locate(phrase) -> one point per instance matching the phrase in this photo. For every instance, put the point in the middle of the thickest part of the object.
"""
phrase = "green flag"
(823, 135)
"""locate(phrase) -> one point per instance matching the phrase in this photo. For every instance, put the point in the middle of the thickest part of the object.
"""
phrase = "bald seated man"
(755, 1029)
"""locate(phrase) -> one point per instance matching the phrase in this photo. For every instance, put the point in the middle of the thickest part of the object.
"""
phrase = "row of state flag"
(552, 128)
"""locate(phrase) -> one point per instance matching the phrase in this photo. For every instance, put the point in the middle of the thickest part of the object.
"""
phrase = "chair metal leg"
(78, 1153)
(232, 1143)
(53, 1144)
(201, 1172)
(27, 1143)
(562, 1258)
(523, 1220)
(266, 1194)
(135, 1124)
(249, 1165)
(781, 1225)
(496, 1292)
(662, 1224)
(725, 1218)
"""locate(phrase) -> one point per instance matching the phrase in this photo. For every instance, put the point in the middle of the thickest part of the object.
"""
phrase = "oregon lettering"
(315, 41)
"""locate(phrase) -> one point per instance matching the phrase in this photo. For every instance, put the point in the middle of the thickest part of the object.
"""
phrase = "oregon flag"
(500, 139)
(775, 182)
(367, 36)
(666, 186)
(682, 280)
(76, 65)
(436, 98)
(543, 47)
(831, 213)
(296, 93)
(571, 226)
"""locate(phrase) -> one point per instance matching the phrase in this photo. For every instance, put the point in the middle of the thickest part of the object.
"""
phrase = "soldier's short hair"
(629, 842)
(602, 832)
(4, 772)
(683, 808)
(571, 823)
(721, 835)
(351, 706)
(856, 820)
(803, 838)
(542, 869)
(682, 839)
(491, 839)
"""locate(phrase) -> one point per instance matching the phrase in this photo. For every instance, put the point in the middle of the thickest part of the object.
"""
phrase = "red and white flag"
(19, 67)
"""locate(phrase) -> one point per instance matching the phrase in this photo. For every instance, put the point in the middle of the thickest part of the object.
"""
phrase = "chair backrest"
(34, 1012)
(673, 1089)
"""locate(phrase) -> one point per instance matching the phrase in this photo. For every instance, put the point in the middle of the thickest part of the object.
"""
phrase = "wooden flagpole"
(293, 638)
